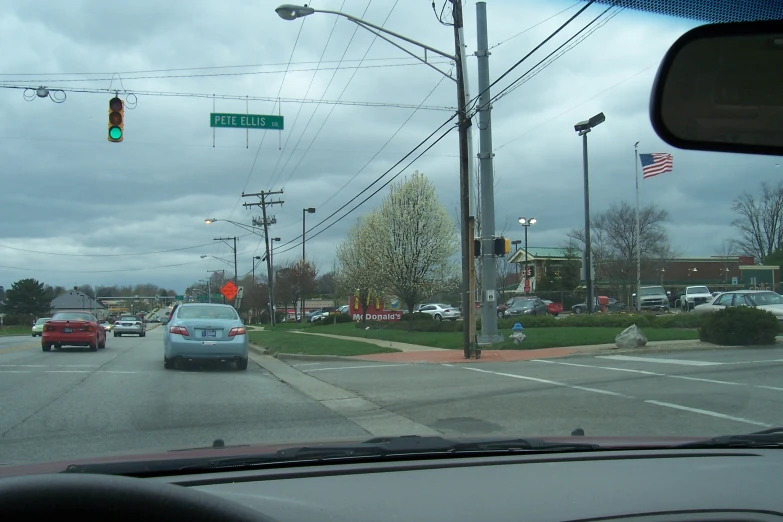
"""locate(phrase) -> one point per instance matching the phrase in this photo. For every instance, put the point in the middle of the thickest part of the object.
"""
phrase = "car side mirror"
(718, 89)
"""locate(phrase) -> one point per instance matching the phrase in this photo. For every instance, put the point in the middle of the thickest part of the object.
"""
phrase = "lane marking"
(643, 372)
(19, 348)
(554, 383)
(354, 367)
(683, 362)
(648, 401)
(710, 413)
(50, 365)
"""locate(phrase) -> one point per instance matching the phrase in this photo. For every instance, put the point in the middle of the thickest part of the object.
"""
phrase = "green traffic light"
(115, 133)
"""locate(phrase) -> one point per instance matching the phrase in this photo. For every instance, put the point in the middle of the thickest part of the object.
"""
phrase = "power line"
(520, 33)
(218, 75)
(312, 115)
(236, 97)
(379, 178)
(342, 93)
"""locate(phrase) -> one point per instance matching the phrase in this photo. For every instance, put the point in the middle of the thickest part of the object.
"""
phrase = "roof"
(75, 300)
(543, 253)
(712, 11)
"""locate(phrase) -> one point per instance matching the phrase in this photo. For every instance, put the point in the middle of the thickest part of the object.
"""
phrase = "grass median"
(285, 340)
(15, 330)
(535, 337)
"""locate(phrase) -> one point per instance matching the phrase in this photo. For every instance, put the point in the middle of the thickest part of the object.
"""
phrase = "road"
(77, 403)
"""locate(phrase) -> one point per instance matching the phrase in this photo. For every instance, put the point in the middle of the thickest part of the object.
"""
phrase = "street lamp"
(582, 128)
(305, 211)
(293, 12)
(249, 228)
(527, 223)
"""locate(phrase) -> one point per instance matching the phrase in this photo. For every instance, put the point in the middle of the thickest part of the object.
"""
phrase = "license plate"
(67, 330)
(208, 333)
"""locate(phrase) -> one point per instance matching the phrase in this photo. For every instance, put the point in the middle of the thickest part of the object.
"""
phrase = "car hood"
(13, 469)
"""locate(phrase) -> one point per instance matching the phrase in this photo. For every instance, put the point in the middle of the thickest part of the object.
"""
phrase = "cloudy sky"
(78, 209)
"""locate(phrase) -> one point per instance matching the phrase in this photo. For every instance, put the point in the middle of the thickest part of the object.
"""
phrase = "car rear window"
(129, 318)
(42, 320)
(73, 316)
(206, 312)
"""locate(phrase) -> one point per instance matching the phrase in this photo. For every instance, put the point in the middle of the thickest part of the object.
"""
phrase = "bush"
(417, 316)
(20, 320)
(741, 326)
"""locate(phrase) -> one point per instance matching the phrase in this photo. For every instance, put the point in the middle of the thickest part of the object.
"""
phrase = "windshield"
(304, 195)
(42, 320)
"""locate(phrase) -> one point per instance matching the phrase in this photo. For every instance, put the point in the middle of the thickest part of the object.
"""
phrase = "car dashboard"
(619, 485)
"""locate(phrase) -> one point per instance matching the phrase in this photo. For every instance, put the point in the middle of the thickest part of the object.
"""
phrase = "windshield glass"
(238, 193)
(42, 320)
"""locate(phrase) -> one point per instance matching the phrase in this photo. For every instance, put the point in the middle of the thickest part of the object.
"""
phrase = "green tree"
(27, 297)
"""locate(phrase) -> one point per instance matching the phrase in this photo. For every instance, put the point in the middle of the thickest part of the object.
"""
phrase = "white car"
(763, 299)
(441, 311)
(694, 296)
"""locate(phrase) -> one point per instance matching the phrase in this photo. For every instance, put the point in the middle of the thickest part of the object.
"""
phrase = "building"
(76, 300)
(718, 273)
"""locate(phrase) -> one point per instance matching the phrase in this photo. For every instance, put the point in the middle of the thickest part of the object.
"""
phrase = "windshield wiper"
(770, 438)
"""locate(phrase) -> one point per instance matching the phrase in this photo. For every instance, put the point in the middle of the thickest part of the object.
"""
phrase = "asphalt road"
(76, 403)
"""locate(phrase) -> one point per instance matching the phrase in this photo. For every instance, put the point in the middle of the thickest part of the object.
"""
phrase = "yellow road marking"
(19, 348)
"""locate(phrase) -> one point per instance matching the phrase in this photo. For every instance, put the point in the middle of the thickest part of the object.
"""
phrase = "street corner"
(457, 356)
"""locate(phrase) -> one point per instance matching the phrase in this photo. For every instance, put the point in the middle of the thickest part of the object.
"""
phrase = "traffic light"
(502, 246)
(476, 248)
(116, 120)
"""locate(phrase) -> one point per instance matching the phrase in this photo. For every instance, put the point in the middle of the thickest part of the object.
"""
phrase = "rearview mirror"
(719, 89)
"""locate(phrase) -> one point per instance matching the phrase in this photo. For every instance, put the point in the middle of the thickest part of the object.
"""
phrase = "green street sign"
(245, 121)
(179, 297)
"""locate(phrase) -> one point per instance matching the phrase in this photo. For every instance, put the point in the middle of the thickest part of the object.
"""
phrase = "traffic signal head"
(502, 246)
(476, 248)
(116, 120)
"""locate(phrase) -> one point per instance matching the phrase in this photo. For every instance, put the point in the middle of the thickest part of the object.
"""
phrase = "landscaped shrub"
(740, 325)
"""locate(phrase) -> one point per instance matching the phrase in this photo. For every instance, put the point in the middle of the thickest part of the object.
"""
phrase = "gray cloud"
(66, 190)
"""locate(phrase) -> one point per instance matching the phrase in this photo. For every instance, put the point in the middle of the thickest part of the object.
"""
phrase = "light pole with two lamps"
(305, 211)
(582, 128)
(516, 243)
(527, 223)
(255, 285)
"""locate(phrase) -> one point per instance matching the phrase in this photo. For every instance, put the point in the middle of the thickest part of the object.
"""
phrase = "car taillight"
(446, 311)
(137, 323)
(49, 327)
(181, 330)
(239, 330)
(116, 323)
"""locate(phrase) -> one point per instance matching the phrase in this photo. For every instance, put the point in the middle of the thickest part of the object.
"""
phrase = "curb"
(298, 356)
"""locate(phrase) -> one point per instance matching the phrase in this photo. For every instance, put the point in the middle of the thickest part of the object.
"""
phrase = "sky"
(80, 210)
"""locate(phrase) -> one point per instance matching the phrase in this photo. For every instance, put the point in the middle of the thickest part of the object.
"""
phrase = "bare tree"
(358, 270)
(415, 240)
(760, 221)
(613, 243)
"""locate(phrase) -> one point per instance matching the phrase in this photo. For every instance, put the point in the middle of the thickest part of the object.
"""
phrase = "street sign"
(245, 121)
(179, 297)
(240, 292)
(229, 290)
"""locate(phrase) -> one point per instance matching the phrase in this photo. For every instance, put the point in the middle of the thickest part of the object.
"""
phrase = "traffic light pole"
(489, 316)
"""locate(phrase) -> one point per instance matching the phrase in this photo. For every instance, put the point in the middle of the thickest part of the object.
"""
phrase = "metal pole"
(235, 259)
(526, 272)
(464, 186)
(301, 297)
(588, 253)
(638, 234)
(489, 278)
(268, 263)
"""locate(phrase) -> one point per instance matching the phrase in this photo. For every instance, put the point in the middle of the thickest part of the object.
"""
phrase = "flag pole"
(638, 234)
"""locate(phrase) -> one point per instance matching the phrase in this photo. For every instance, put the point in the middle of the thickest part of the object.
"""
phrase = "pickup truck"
(694, 296)
(653, 298)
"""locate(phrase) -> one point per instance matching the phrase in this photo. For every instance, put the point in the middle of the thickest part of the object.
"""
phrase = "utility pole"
(263, 203)
(464, 123)
(489, 316)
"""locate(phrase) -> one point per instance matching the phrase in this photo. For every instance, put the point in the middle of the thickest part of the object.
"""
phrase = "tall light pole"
(467, 213)
(527, 223)
(582, 128)
(255, 285)
(516, 243)
(305, 211)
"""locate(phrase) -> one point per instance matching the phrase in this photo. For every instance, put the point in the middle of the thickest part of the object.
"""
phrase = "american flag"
(656, 163)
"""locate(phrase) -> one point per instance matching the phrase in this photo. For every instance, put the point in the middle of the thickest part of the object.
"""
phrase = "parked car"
(763, 299)
(553, 308)
(205, 331)
(73, 328)
(129, 325)
(501, 308)
(441, 311)
(526, 306)
(39, 325)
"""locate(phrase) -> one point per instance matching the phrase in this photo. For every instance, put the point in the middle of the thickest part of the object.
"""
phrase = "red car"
(74, 328)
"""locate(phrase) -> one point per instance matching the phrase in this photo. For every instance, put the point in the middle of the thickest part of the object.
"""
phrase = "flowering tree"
(415, 240)
(358, 261)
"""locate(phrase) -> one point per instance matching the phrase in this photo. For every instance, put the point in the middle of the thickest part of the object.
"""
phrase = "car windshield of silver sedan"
(766, 298)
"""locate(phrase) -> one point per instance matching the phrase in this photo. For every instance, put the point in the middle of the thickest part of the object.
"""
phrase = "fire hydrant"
(516, 333)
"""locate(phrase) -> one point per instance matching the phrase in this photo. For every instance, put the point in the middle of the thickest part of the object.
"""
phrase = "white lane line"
(554, 383)
(643, 372)
(658, 360)
(657, 403)
(710, 413)
(305, 364)
(769, 387)
(354, 367)
(49, 365)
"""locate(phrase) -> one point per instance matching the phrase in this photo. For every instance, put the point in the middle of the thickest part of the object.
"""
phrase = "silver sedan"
(129, 324)
(201, 332)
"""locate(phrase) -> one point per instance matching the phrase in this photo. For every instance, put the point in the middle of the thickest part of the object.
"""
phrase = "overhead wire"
(520, 33)
(312, 115)
(342, 93)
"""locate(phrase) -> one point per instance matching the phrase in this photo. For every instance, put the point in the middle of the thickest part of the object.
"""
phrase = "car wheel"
(577, 311)
(242, 364)
(500, 315)
(143, 334)
(94, 345)
(438, 317)
(167, 364)
(102, 344)
(46, 347)
(115, 335)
